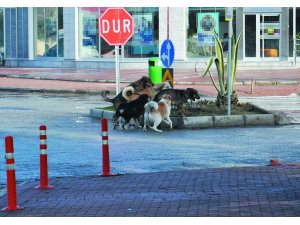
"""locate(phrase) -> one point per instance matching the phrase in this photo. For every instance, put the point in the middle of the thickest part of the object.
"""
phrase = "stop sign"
(116, 26)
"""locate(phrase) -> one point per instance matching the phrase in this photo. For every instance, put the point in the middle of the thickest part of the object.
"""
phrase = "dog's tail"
(127, 92)
(150, 106)
(104, 93)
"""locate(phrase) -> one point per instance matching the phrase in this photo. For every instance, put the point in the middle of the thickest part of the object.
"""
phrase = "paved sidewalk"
(108, 75)
(248, 191)
(267, 82)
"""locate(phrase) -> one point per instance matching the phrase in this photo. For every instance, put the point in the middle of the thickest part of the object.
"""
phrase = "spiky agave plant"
(222, 70)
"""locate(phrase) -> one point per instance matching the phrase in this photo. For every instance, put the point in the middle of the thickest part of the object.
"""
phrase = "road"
(74, 140)
(288, 106)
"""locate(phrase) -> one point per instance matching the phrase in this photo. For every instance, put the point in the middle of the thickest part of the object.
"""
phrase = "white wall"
(177, 29)
(70, 33)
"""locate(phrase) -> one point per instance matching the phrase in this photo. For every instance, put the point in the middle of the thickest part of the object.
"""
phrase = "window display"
(49, 25)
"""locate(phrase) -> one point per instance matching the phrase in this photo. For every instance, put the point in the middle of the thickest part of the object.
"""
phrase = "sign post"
(116, 27)
(167, 54)
(229, 15)
(117, 69)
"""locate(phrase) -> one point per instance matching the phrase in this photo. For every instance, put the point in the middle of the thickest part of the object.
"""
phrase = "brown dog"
(179, 97)
(130, 94)
(137, 86)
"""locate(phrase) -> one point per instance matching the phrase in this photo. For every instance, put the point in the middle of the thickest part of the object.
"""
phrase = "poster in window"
(89, 31)
(143, 28)
(206, 23)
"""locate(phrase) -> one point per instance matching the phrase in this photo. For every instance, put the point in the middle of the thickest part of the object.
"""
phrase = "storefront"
(1, 36)
(202, 21)
(49, 32)
(143, 44)
(69, 37)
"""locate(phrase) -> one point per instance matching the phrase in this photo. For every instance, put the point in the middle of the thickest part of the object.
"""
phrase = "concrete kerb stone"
(208, 121)
(265, 82)
(100, 113)
(281, 120)
(259, 119)
(56, 91)
(238, 82)
(287, 82)
(198, 122)
(229, 121)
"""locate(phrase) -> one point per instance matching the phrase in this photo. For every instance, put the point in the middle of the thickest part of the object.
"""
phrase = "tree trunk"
(223, 100)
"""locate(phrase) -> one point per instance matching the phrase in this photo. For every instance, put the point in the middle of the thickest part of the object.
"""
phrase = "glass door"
(270, 36)
(262, 36)
(250, 37)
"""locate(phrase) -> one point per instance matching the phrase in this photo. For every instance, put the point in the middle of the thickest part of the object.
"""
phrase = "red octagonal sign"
(116, 26)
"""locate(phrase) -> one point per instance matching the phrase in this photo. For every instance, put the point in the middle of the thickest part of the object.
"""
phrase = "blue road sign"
(167, 53)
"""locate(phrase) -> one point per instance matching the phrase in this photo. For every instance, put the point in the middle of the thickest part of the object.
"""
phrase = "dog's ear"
(167, 97)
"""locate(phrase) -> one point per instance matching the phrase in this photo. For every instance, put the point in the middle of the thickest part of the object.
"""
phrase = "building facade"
(68, 37)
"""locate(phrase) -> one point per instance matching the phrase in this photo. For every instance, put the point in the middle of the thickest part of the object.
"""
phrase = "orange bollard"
(43, 160)
(11, 176)
(274, 162)
(105, 149)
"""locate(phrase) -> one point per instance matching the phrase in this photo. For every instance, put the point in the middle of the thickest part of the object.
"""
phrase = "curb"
(56, 91)
(211, 121)
(238, 82)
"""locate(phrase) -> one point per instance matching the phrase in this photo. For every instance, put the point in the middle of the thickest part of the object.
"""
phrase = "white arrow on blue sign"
(167, 53)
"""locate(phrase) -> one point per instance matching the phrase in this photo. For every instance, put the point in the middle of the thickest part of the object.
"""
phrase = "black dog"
(138, 86)
(128, 110)
(179, 97)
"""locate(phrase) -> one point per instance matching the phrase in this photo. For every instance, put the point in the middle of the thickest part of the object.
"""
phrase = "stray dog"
(130, 94)
(137, 86)
(179, 97)
(129, 110)
(156, 112)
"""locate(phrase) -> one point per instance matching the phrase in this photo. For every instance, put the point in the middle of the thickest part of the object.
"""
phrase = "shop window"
(91, 45)
(1, 36)
(88, 32)
(144, 43)
(298, 30)
(202, 22)
(11, 32)
(49, 32)
(145, 40)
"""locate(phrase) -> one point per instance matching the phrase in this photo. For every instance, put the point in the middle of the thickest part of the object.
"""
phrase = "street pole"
(168, 25)
(117, 69)
(230, 12)
(294, 35)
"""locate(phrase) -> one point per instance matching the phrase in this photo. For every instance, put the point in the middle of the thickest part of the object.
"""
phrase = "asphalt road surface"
(75, 146)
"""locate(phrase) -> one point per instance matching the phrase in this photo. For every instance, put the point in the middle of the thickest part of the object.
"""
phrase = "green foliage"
(222, 69)
(108, 108)
(298, 43)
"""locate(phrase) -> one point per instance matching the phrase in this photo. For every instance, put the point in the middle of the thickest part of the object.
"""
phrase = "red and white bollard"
(11, 176)
(105, 149)
(43, 160)
(274, 162)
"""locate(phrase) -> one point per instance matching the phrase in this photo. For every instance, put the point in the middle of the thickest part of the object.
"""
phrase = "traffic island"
(260, 117)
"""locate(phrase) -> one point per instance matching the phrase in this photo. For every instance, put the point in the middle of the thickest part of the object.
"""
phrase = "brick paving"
(262, 191)
(268, 82)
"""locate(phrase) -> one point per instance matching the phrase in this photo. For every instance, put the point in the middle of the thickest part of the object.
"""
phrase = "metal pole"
(294, 35)
(168, 19)
(229, 67)
(117, 69)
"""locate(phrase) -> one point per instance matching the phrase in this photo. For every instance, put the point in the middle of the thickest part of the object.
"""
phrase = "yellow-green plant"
(298, 44)
(222, 69)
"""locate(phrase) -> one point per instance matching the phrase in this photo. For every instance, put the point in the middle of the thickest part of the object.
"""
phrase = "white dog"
(156, 112)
